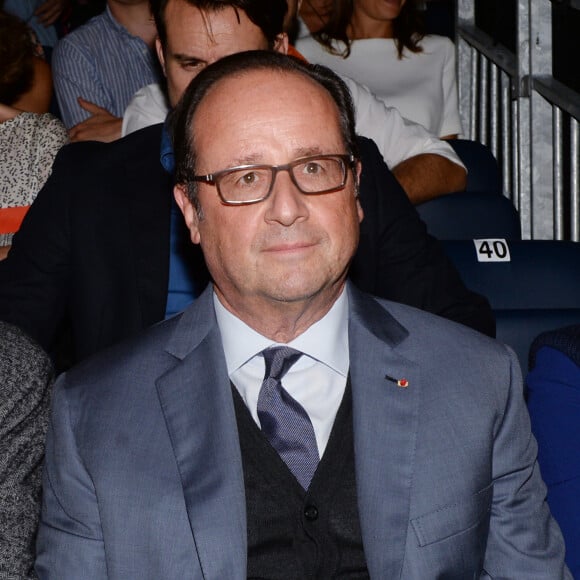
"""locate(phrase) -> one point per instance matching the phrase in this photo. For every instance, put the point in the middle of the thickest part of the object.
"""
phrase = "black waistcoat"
(295, 534)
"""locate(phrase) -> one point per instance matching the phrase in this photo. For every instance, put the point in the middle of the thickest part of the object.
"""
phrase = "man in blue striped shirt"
(99, 67)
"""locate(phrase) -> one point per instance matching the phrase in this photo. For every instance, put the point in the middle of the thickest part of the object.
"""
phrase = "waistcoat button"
(311, 512)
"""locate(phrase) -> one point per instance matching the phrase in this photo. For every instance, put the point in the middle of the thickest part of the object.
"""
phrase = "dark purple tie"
(284, 421)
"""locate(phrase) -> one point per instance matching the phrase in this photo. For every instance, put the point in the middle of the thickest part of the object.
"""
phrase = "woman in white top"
(381, 44)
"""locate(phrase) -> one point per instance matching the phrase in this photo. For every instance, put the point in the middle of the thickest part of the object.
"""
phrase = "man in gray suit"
(286, 425)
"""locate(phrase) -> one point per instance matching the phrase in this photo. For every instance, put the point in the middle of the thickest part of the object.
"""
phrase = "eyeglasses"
(248, 184)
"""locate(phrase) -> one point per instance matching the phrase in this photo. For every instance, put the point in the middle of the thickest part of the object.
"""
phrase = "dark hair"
(16, 58)
(408, 27)
(236, 65)
(267, 15)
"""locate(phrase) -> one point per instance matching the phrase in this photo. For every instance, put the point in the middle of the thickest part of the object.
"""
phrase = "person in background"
(99, 66)
(29, 141)
(25, 390)
(40, 15)
(382, 45)
(313, 16)
(553, 394)
(287, 425)
(105, 248)
(22, 58)
(425, 166)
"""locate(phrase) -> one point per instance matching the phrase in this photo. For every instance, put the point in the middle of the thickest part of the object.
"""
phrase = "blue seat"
(483, 173)
(468, 214)
(537, 290)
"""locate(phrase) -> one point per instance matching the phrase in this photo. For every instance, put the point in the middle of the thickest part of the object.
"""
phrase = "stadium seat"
(483, 173)
(469, 214)
(532, 285)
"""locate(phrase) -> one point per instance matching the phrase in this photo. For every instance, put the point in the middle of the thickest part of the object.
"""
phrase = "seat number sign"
(492, 250)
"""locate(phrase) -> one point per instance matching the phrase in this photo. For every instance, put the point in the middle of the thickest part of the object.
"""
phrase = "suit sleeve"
(35, 277)
(524, 540)
(70, 539)
(398, 260)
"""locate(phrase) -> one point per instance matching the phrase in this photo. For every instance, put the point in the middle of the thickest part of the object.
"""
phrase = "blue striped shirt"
(102, 63)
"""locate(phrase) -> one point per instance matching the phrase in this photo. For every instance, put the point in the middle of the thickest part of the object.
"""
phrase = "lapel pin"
(403, 383)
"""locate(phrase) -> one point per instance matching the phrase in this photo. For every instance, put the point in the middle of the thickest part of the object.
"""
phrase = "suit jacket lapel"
(196, 399)
(385, 418)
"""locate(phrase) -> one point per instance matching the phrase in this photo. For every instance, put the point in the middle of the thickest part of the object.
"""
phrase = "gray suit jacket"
(144, 477)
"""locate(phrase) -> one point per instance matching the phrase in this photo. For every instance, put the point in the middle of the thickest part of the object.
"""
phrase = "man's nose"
(286, 203)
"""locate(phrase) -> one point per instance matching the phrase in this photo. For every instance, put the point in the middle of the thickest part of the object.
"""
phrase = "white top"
(422, 86)
(397, 138)
(29, 143)
(317, 380)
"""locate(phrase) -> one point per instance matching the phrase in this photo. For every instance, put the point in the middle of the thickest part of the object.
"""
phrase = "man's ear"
(281, 43)
(189, 212)
(160, 55)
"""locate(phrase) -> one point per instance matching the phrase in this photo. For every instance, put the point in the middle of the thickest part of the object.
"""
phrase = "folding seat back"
(483, 173)
(469, 215)
(532, 285)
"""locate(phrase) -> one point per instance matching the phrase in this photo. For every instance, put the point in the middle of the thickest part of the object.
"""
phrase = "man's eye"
(192, 64)
(248, 179)
(313, 168)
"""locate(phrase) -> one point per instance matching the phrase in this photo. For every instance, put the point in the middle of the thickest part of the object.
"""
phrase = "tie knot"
(278, 361)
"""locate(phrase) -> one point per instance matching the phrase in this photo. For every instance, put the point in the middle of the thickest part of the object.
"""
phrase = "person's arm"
(49, 11)
(75, 76)
(427, 176)
(523, 541)
(70, 542)
(100, 126)
(397, 259)
(436, 169)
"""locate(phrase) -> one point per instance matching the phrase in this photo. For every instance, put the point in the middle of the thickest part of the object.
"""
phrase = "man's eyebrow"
(251, 159)
(258, 158)
(309, 151)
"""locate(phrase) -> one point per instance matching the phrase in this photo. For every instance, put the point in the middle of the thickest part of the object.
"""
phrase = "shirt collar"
(117, 25)
(325, 341)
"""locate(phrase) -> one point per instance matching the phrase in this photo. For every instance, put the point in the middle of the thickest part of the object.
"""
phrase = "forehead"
(262, 112)
(227, 30)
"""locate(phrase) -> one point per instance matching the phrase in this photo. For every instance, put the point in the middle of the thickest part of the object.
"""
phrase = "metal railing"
(530, 121)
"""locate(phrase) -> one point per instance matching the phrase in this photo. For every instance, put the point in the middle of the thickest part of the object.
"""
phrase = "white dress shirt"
(396, 137)
(317, 380)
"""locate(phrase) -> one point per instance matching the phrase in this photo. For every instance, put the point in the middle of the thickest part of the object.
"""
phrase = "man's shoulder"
(88, 37)
(566, 340)
(436, 336)
(90, 177)
(130, 365)
(143, 144)
(143, 357)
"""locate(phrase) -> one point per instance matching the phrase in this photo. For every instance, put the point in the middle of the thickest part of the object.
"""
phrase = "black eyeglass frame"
(347, 160)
